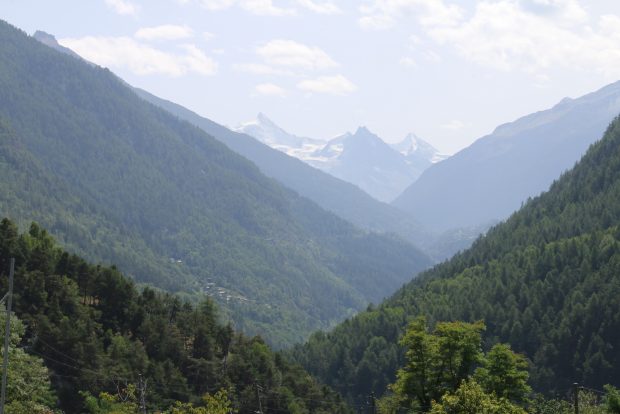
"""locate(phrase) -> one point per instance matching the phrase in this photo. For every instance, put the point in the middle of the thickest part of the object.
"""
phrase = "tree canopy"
(104, 343)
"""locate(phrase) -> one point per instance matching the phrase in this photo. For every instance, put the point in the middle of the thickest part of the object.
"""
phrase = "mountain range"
(333, 194)
(440, 212)
(490, 179)
(121, 181)
(361, 158)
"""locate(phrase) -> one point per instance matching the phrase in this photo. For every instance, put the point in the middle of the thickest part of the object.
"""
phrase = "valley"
(157, 256)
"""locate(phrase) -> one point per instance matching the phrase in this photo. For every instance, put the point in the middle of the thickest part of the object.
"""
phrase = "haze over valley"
(213, 207)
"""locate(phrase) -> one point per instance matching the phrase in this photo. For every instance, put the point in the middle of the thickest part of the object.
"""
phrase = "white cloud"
(207, 36)
(270, 89)
(532, 36)
(216, 4)
(409, 62)
(260, 69)
(376, 22)
(419, 52)
(383, 14)
(139, 58)
(258, 7)
(122, 7)
(333, 85)
(566, 11)
(265, 8)
(164, 32)
(507, 36)
(196, 61)
(293, 54)
(454, 125)
(414, 41)
(325, 7)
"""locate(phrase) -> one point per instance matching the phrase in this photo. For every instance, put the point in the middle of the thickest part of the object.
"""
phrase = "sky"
(448, 71)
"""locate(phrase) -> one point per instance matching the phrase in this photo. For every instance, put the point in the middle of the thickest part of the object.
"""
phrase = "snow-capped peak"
(413, 146)
(408, 145)
(268, 132)
(361, 158)
(264, 120)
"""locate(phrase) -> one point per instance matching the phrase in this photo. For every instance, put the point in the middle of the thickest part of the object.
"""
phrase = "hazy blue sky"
(450, 71)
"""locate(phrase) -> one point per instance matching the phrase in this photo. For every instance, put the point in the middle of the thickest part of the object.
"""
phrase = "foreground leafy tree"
(213, 404)
(505, 374)
(112, 404)
(590, 402)
(441, 365)
(126, 402)
(437, 362)
(28, 384)
(471, 398)
(612, 399)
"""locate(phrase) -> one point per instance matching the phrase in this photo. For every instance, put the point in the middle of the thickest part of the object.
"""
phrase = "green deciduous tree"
(28, 383)
(219, 403)
(438, 361)
(440, 367)
(612, 400)
(126, 403)
(504, 373)
(471, 398)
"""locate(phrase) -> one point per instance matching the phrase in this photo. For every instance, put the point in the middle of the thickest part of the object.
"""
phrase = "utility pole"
(576, 397)
(258, 390)
(142, 391)
(7, 335)
(373, 403)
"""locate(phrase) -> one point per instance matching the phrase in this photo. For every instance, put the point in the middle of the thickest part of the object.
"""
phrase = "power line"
(38, 339)
(593, 390)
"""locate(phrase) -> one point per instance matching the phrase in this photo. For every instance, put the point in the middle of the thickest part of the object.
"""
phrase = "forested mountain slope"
(119, 180)
(97, 333)
(342, 198)
(489, 180)
(547, 281)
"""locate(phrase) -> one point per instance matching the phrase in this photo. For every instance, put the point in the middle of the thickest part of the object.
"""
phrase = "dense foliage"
(97, 333)
(119, 180)
(447, 372)
(547, 281)
(28, 384)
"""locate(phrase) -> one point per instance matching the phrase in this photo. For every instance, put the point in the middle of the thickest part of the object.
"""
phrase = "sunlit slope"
(547, 281)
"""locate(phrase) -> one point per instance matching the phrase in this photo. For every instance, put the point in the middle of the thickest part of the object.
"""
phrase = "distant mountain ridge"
(361, 158)
(491, 178)
(333, 194)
